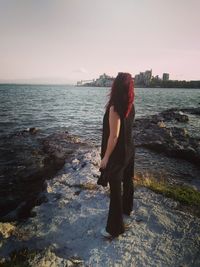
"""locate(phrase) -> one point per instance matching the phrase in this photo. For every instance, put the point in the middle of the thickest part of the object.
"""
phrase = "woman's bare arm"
(114, 125)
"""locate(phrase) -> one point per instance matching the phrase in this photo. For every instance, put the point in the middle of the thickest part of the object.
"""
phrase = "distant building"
(103, 81)
(143, 78)
(165, 77)
(139, 78)
(147, 77)
(156, 78)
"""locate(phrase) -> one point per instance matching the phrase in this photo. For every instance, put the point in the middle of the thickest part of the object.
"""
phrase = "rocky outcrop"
(195, 111)
(67, 226)
(152, 133)
(29, 158)
(173, 114)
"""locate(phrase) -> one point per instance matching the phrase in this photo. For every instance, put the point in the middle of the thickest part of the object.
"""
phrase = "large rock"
(27, 160)
(195, 111)
(174, 114)
(152, 133)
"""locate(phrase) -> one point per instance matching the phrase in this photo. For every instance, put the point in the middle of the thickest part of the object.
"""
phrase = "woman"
(117, 153)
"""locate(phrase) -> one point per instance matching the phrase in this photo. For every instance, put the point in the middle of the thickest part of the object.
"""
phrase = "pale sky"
(70, 40)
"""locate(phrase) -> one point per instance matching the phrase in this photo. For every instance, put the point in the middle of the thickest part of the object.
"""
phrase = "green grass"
(184, 194)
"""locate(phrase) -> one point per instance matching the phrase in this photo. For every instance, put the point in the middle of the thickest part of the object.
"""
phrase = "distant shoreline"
(143, 87)
(74, 85)
(39, 84)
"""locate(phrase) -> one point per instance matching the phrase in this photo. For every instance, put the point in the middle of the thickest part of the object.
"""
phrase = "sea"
(80, 109)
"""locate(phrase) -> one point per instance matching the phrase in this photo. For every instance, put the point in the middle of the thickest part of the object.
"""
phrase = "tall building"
(147, 77)
(165, 76)
(143, 78)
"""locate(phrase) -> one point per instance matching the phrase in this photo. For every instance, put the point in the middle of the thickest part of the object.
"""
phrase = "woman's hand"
(104, 162)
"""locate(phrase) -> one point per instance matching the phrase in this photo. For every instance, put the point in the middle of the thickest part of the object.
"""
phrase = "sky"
(64, 41)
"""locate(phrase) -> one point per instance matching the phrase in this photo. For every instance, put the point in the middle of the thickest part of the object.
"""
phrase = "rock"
(33, 130)
(161, 124)
(179, 133)
(6, 229)
(69, 263)
(181, 117)
(48, 258)
(151, 132)
(174, 114)
(170, 203)
(27, 160)
(75, 163)
(26, 132)
(195, 111)
(70, 236)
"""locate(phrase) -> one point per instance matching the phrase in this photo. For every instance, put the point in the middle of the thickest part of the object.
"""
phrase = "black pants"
(120, 203)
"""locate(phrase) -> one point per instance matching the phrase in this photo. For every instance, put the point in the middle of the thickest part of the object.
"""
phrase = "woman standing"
(117, 153)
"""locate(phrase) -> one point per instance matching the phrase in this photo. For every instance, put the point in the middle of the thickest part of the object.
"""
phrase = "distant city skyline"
(70, 40)
(64, 81)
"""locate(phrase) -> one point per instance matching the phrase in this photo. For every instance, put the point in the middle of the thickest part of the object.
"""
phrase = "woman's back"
(125, 145)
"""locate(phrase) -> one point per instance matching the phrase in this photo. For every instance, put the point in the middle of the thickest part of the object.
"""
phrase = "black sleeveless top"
(124, 148)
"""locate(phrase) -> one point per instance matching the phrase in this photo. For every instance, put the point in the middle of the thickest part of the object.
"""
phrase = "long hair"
(122, 94)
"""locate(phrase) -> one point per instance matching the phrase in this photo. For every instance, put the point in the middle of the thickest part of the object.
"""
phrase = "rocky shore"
(53, 205)
(31, 159)
(66, 228)
(152, 133)
(166, 146)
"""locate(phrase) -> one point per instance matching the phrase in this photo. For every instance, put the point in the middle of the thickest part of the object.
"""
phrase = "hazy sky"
(70, 40)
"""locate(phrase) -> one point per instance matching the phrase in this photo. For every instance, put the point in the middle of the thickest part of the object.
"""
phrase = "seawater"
(80, 109)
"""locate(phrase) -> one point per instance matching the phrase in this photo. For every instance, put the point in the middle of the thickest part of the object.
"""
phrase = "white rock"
(72, 223)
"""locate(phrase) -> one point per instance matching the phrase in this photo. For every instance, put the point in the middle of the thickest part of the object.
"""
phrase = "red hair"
(122, 94)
